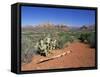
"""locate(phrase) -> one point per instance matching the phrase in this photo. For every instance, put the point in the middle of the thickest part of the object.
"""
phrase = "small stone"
(68, 52)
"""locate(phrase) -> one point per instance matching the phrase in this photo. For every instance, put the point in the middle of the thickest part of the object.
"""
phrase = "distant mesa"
(48, 26)
(83, 27)
(53, 26)
(62, 27)
(87, 27)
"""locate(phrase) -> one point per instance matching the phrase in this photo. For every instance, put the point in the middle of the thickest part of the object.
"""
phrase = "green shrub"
(64, 37)
(88, 37)
(91, 40)
(27, 49)
(84, 37)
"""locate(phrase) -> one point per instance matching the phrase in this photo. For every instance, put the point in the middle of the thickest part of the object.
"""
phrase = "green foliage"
(84, 37)
(44, 46)
(88, 37)
(64, 37)
(27, 49)
(91, 40)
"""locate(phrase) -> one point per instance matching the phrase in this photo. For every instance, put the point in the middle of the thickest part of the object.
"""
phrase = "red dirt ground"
(81, 55)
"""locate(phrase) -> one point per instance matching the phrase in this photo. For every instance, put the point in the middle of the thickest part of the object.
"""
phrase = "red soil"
(81, 55)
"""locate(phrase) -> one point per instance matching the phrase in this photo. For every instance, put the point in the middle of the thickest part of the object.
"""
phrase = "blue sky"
(72, 17)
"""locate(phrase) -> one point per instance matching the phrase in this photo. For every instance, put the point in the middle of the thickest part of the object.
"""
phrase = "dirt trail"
(81, 55)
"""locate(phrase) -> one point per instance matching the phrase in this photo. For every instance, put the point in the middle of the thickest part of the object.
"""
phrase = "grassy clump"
(27, 49)
(64, 37)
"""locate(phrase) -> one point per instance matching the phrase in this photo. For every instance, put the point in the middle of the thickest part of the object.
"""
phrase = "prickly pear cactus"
(44, 46)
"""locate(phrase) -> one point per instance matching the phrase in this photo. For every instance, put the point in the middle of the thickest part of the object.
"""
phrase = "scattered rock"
(68, 52)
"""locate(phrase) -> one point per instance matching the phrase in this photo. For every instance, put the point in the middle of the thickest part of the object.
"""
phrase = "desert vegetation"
(88, 37)
(42, 39)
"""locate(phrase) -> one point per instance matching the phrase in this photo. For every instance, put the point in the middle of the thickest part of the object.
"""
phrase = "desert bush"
(88, 37)
(64, 38)
(27, 49)
(84, 37)
(44, 46)
(91, 40)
